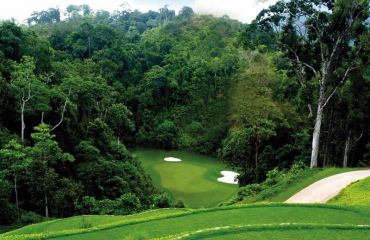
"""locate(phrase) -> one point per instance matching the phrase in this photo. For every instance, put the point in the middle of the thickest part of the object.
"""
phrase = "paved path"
(327, 188)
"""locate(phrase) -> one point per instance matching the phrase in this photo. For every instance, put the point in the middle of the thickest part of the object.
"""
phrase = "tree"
(186, 12)
(29, 90)
(321, 39)
(52, 15)
(46, 155)
(166, 134)
(119, 119)
(13, 158)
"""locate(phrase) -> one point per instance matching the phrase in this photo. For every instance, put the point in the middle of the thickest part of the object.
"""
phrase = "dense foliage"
(75, 93)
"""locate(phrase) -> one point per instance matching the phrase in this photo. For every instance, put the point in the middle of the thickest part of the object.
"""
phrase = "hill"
(273, 220)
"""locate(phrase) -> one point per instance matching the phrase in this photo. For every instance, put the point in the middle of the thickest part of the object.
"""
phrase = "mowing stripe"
(207, 232)
(174, 215)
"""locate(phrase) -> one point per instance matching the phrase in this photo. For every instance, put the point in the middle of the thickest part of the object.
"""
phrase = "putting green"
(193, 180)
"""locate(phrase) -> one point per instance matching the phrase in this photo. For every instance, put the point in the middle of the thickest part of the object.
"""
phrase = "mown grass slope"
(255, 221)
(288, 185)
(357, 193)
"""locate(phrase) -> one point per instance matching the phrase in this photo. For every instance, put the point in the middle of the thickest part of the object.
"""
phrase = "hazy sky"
(243, 10)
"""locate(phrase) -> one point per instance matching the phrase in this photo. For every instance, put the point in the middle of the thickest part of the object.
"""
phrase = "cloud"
(242, 10)
(22, 9)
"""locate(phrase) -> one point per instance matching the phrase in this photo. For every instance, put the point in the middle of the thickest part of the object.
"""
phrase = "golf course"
(193, 180)
(258, 221)
(185, 119)
(347, 216)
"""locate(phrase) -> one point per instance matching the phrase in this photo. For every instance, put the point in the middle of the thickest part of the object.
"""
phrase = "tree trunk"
(46, 207)
(256, 153)
(23, 125)
(16, 194)
(346, 149)
(316, 136)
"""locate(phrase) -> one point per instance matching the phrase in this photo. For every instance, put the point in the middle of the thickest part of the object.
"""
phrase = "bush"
(162, 201)
(86, 206)
(275, 181)
(8, 212)
(273, 177)
(249, 190)
(30, 217)
(126, 204)
(179, 204)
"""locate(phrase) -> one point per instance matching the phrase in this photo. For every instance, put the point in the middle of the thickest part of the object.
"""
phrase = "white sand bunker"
(172, 159)
(229, 177)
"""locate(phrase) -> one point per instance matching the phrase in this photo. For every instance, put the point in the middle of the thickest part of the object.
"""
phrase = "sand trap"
(172, 159)
(228, 177)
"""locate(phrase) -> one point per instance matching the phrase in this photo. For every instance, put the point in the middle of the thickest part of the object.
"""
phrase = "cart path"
(327, 188)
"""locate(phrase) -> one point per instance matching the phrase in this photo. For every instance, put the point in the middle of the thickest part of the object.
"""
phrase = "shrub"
(126, 204)
(30, 217)
(162, 201)
(249, 190)
(273, 177)
(179, 204)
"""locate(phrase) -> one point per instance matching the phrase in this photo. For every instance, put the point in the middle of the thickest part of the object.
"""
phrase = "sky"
(242, 10)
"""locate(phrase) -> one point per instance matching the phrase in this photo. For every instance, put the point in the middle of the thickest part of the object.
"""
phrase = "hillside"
(175, 124)
(274, 220)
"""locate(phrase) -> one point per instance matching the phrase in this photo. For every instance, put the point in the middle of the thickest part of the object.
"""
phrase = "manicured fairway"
(193, 180)
(272, 221)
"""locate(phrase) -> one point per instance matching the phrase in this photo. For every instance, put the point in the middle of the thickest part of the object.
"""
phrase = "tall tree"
(28, 89)
(46, 154)
(13, 158)
(322, 40)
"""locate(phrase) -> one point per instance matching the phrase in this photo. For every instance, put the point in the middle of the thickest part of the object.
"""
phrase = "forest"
(78, 93)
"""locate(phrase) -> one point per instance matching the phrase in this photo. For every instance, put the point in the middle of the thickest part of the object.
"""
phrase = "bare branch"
(340, 83)
(63, 111)
(355, 141)
(301, 62)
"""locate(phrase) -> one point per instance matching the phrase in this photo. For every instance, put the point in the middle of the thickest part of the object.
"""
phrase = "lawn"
(307, 178)
(261, 221)
(357, 193)
(193, 181)
(283, 190)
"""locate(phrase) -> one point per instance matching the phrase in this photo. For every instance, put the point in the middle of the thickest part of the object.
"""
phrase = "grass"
(260, 221)
(305, 232)
(4, 229)
(283, 190)
(357, 193)
(193, 181)
(91, 221)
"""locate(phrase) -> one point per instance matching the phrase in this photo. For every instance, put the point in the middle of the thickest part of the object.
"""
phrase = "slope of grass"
(92, 221)
(287, 185)
(307, 178)
(193, 181)
(357, 193)
(277, 232)
(234, 221)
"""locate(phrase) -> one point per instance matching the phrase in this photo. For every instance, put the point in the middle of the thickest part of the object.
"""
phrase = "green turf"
(287, 234)
(255, 220)
(307, 178)
(357, 193)
(81, 222)
(285, 188)
(194, 180)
